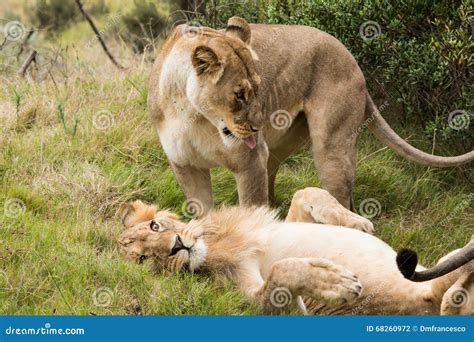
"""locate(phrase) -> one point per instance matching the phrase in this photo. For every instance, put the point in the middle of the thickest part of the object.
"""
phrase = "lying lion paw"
(320, 279)
(335, 285)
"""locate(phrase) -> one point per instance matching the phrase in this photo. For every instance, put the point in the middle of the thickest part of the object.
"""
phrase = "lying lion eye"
(154, 226)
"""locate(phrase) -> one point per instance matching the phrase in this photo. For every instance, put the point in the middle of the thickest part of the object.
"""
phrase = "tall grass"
(63, 178)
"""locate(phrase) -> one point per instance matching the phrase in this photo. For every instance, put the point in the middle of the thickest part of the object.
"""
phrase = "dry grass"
(59, 256)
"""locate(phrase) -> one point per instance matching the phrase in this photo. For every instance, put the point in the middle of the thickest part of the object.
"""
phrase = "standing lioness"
(249, 96)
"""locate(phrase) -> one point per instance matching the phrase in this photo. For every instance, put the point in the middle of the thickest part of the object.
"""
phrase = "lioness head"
(226, 85)
(160, 235)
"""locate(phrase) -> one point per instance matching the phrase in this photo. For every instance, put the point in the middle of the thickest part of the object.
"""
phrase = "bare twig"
(98, 35)
(3, 43)
(31, 58)
(24, 43)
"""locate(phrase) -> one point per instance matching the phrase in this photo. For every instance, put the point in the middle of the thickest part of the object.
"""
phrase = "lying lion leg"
(290, 278)
(440, 286)
(317, 205)
(459, 298)
(196, 185)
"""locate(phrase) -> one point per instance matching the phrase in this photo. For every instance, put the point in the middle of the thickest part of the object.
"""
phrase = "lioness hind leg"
(316, 278)
(332, 121)
(317, 205)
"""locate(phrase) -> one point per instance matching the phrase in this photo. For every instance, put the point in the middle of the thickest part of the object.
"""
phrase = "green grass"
(60, 255)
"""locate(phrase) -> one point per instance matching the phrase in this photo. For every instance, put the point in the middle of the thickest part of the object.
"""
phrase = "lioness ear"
(239, 28)
(135, 212)
(206, 61)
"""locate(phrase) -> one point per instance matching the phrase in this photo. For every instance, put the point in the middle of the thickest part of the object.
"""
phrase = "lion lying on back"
(323, 268)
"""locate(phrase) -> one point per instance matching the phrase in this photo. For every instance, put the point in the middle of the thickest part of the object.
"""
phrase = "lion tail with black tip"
(407, 260)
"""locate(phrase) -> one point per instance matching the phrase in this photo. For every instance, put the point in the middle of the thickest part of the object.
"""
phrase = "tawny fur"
(335, 269)
(279, 87)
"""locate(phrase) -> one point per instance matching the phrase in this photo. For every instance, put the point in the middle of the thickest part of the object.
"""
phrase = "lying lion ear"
(135, 212)
(239, 28)
(206, 61)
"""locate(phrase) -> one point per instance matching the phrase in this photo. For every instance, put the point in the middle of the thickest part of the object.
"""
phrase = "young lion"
(319, 267)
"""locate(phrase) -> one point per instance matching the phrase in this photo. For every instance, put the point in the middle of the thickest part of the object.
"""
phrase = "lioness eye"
(154, 226)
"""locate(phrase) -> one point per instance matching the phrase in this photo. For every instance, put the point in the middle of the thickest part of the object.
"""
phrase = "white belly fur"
(371, 259)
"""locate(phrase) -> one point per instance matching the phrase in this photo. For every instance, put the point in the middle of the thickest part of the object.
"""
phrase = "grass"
(73, 150)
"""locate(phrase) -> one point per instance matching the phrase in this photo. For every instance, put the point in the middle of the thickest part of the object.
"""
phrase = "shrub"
(420, 59)
(53, 14)
(56, 14)
(144, 24)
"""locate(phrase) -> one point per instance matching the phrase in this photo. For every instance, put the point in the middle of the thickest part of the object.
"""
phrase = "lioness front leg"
(318, 205)
(290, 278)
(252, 178)
(196, 185)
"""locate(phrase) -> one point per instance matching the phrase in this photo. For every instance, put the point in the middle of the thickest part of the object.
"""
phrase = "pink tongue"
(250, 141)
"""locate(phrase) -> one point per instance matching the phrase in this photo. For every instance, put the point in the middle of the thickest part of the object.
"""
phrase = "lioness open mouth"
(250, 141)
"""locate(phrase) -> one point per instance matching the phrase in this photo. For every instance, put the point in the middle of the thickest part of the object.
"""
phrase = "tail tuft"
(407, 260)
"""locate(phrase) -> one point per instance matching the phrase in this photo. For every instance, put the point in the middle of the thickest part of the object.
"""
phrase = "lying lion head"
(226, 87)
(159, 235)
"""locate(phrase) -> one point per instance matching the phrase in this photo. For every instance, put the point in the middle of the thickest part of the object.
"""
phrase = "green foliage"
(421, 58)
(144, 24)
(56, 14)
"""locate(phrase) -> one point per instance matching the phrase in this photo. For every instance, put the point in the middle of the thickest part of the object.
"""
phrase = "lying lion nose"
(178, 245)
